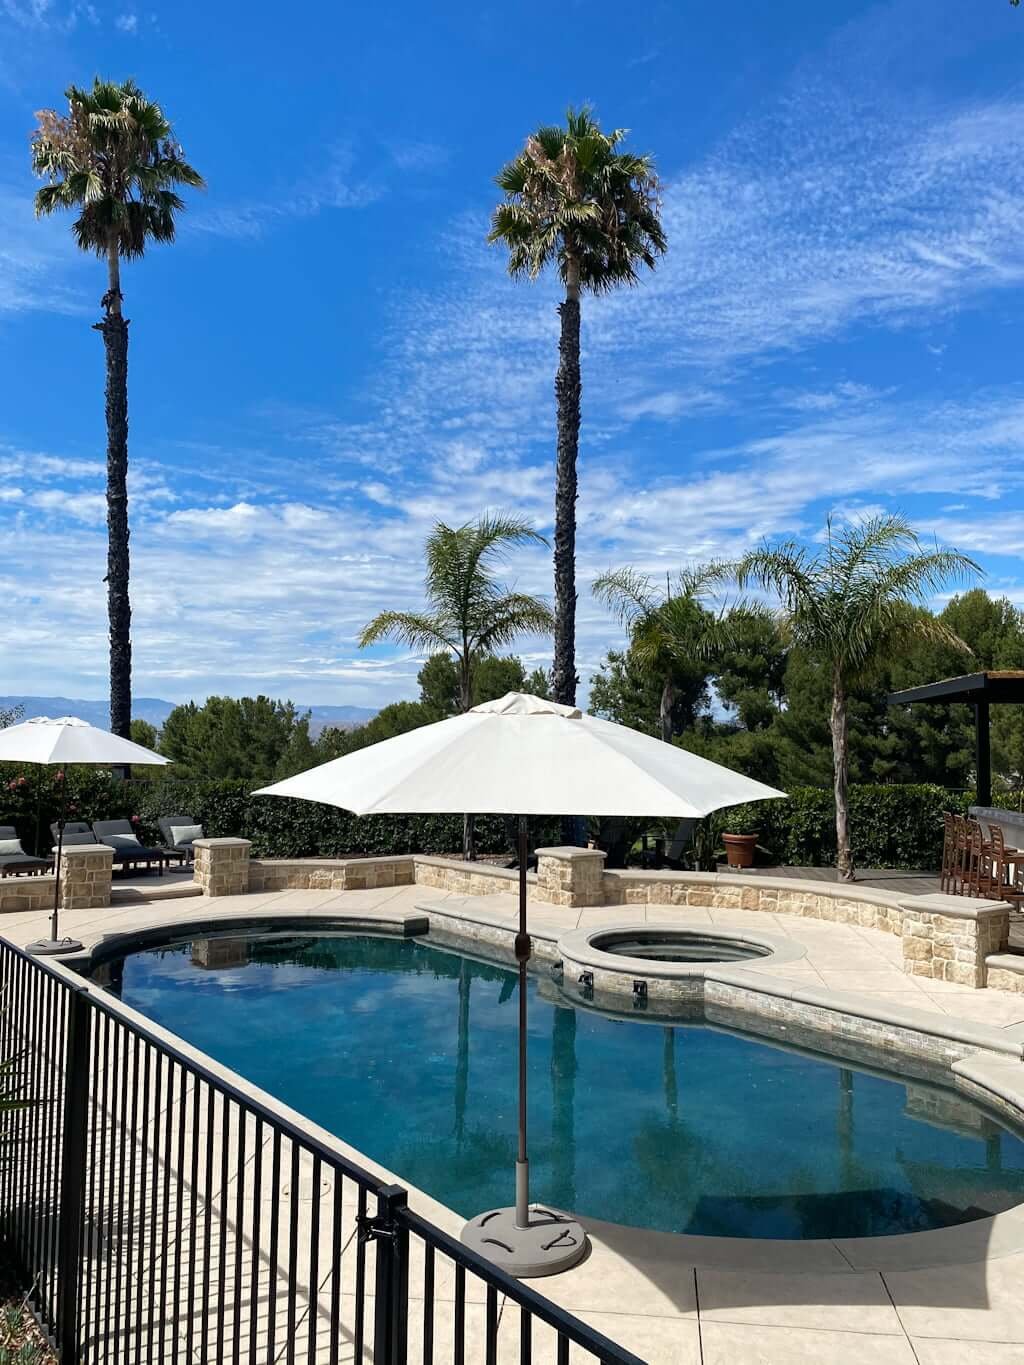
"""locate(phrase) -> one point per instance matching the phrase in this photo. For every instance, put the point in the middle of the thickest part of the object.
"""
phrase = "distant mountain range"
(156, 711)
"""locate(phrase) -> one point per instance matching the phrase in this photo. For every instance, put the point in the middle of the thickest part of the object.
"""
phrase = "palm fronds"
(113, 157)
(574, 199)
(469, 612)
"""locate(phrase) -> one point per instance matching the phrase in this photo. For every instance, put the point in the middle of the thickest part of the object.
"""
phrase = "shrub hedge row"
(892, 826)
(277, 828)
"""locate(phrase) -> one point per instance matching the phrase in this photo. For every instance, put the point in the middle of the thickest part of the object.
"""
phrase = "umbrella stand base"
(552, 1242)
(48, 947)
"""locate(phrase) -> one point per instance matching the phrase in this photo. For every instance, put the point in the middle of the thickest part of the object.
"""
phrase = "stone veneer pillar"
(221, 866)
(85, 876)
(948, 938)
(570, 876)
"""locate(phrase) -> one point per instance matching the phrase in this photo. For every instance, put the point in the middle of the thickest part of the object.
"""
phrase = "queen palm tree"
(672, 628)
(852, 605)
(112, 159)
(575, 200)
(469, 613)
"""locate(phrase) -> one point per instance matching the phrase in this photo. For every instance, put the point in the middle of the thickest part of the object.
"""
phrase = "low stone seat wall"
(947, 938)
(329, 874)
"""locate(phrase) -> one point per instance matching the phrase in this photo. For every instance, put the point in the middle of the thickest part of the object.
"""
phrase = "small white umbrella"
(63, 740)
(522, 755)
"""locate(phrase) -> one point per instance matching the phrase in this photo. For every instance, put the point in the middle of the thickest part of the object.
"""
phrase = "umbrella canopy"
(522, 755)
(59, 742)
(66, 739)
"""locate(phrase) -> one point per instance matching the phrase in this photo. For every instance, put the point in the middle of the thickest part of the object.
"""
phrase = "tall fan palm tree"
(575, 200)
(113, 159)
(851, 605)
(469, 614)
(671, 628)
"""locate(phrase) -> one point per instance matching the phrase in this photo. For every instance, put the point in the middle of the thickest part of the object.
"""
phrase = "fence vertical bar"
(391, 1284)
(72, 1170)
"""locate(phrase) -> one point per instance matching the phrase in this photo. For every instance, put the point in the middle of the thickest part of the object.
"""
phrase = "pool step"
(144, 895)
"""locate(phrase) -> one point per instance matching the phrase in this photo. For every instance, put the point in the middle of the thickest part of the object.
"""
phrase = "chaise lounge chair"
(13, 858)
(125, 854)
(128, 851)
(180, 831)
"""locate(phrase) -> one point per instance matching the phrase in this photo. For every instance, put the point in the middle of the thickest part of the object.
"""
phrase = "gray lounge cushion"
(78, 837)
(74, 827)
(119, 840)
(183, 835)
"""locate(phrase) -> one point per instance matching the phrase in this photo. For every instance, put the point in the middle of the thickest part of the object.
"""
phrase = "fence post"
(72, 1170)
(391, 1287)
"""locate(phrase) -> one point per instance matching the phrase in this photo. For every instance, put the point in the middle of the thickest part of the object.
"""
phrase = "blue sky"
(330, 358)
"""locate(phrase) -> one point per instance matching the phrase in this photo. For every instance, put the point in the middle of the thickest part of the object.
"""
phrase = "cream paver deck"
(712, 1301)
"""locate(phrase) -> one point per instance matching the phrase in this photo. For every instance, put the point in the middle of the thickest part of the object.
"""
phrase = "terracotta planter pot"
(739, 849)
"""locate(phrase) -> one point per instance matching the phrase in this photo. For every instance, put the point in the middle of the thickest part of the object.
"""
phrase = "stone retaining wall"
(329, 874)
(774, 895)
(468, 879)
(948, 938)
(19, 894)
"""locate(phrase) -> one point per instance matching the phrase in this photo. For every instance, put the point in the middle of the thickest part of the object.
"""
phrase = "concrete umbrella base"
(551, 1242)
(49, 947)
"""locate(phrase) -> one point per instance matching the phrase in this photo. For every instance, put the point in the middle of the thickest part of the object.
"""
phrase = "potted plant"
(740, 841)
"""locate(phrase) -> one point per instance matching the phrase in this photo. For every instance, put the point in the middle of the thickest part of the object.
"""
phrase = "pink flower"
(135, 819)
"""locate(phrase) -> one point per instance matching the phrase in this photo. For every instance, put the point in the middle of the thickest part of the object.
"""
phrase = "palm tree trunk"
(567, 393)
(841, 777)
(668, 699)
(115, 341)
(465, 702)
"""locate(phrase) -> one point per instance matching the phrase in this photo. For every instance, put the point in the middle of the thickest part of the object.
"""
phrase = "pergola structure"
(980, 690)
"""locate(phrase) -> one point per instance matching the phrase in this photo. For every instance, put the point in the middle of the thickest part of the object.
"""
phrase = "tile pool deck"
(675, 1300)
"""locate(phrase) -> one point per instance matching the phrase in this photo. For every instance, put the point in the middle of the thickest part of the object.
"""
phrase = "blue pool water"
(407, 1051)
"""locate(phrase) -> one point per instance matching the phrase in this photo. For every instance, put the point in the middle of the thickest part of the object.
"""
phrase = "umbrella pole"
(60, 848)
(53, 944)
(523, 949)
(522, 1240)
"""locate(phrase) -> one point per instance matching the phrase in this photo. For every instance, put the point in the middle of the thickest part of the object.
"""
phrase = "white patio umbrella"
(522, 755)
(64, 740)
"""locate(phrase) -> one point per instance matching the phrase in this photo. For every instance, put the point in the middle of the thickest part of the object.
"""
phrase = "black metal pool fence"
(161, 1213)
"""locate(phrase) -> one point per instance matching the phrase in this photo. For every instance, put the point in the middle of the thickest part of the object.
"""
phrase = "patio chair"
(14, 861)
(961, 865)
(946, 873)
(1005, 864)
(128, 851)
(179, 833)
(75, 832)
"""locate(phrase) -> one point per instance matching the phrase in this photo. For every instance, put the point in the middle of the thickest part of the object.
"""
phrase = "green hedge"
(892, 826)
(277, 828)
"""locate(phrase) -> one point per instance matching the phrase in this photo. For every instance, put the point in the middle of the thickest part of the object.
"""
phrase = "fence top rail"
(606, 1350)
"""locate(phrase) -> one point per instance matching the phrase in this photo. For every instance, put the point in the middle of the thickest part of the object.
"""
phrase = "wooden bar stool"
(1004, 863)
(948, 851)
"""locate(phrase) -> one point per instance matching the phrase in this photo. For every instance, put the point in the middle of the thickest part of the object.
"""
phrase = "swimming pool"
(406, 1050)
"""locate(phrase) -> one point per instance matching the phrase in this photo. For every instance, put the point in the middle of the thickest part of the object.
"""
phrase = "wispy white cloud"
(416, 156)
(335, 184)
(127, 23)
